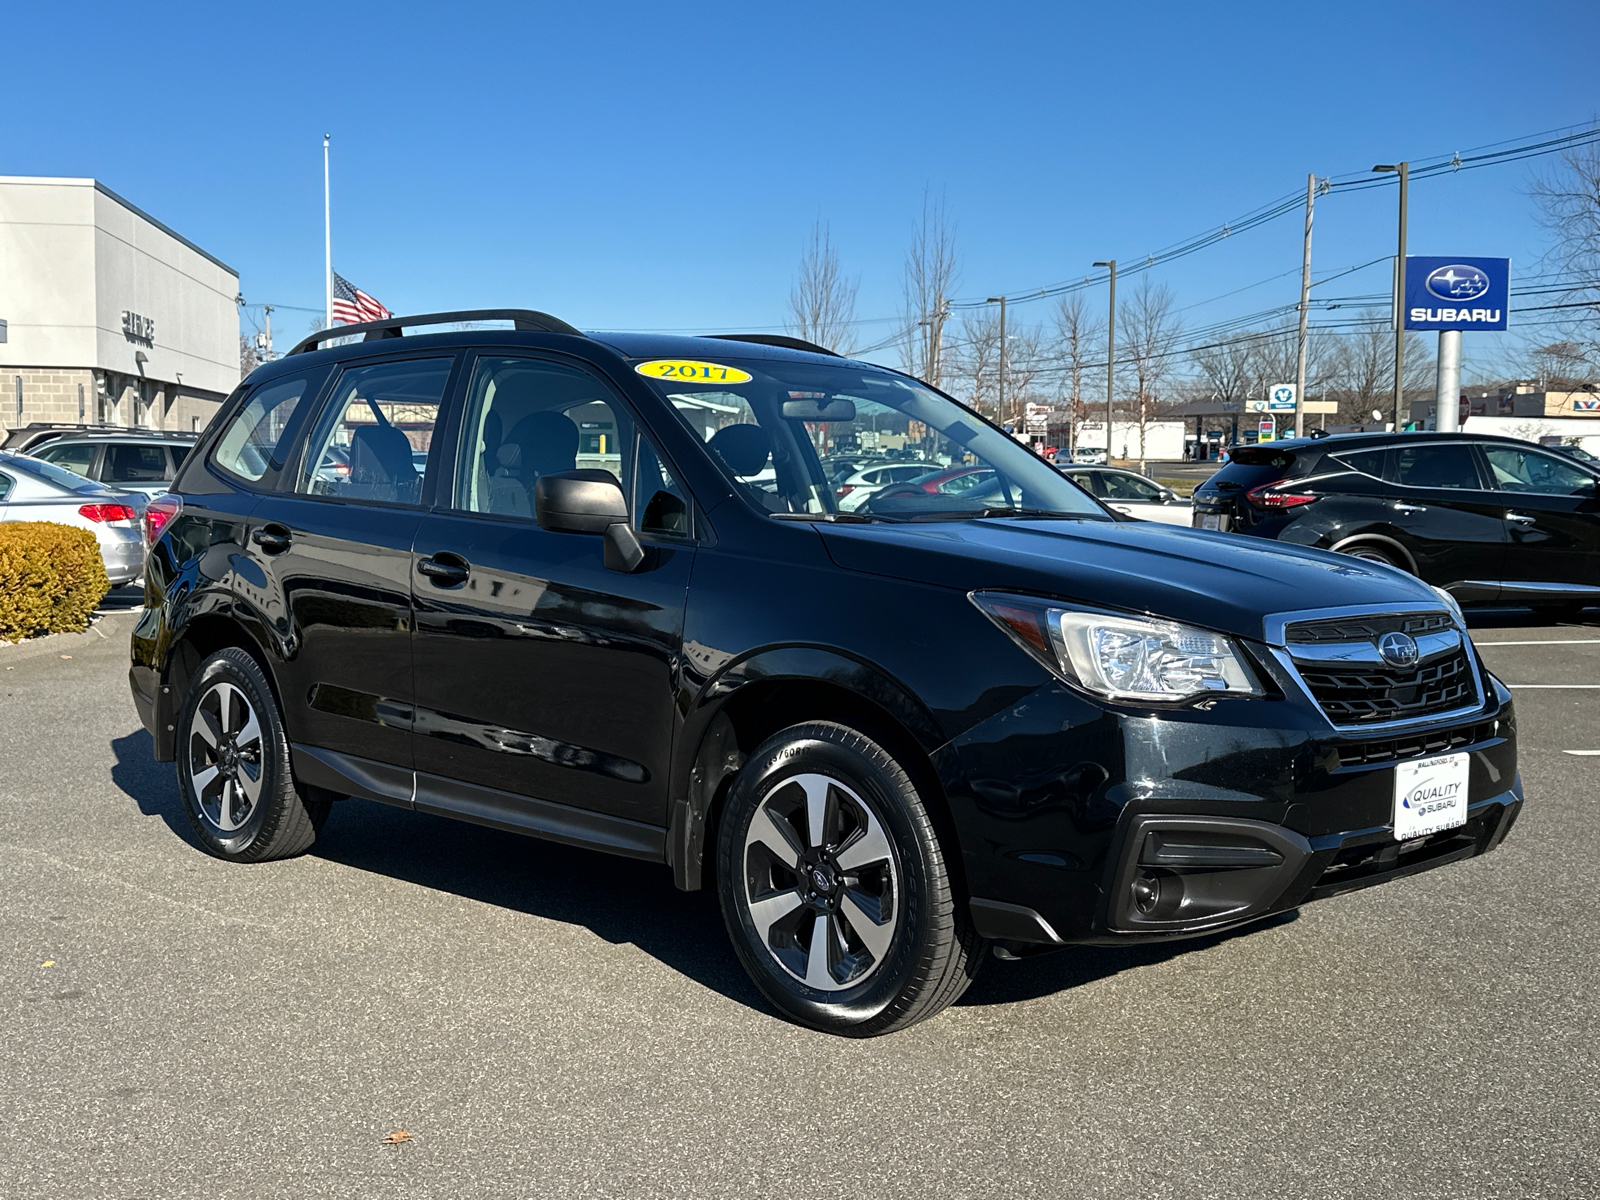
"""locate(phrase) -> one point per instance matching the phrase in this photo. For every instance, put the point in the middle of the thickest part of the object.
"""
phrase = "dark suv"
(597, 588)
(1487, 518)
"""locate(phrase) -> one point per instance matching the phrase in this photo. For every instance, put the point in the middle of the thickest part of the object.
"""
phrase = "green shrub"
(51, 578)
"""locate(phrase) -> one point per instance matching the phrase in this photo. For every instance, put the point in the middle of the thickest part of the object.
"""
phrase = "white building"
(1165, 439)
(106, 315)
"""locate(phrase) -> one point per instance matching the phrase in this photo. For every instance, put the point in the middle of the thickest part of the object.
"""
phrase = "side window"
(134, 464)
(371, 441)
(1128, 487)
(77, 457)
(254, 438)
(526, 418)
(660, 504)
(1517, 470)
(179, 453)
(1450, 466)
(1368, 462)
(5, 486)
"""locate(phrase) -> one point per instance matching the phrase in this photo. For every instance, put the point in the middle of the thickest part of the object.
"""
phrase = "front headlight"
(1121, 657)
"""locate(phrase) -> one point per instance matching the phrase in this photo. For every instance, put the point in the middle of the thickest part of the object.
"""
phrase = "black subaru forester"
(599, 588)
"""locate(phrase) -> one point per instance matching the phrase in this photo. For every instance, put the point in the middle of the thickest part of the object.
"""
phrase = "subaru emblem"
(1398, 649)
(1457, 282)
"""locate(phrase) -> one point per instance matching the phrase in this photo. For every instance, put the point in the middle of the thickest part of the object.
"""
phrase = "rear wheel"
(835, 888)
(1371, 553)
(233, 766)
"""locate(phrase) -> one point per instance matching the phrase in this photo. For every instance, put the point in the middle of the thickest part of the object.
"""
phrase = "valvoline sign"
(1457, 293)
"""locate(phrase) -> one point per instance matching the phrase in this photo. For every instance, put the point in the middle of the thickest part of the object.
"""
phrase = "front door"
(1552, 517)
(333, 544)
(542, 678)
(1444, 514)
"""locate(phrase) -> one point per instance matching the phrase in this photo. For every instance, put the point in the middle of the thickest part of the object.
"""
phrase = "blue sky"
(659, 166)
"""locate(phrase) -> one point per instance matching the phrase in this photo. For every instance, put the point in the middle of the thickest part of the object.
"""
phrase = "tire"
(233, 766)
(898, 943)
(1370, 553)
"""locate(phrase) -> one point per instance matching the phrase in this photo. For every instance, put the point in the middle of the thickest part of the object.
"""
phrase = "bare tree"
(248, 359)
(973, 359)
(1361, 374)
(1559, 366)
(1148, 337)
(1568, 197)
(822, 302)
(1226, 367)
(1024, 358)
(1078, 339)
(930, 277)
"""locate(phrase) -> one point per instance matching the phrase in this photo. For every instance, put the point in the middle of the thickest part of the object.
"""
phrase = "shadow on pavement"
(621, 900)
(1070, 967)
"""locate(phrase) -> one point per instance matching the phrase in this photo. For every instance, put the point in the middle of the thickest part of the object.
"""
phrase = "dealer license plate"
(1430, 794)
(1210, 521)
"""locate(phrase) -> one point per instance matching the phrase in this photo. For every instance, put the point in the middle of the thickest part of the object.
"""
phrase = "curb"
(104, 627)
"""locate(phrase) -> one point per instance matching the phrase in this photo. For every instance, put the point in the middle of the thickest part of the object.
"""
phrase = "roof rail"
(393, 327)
(775, 339)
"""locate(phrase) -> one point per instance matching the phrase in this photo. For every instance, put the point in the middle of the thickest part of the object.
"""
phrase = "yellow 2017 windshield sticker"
(690, 371)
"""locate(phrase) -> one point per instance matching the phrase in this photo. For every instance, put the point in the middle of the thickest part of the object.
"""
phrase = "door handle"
(1400, 506)
(445, 569)
(1517, 518)
(273, 538)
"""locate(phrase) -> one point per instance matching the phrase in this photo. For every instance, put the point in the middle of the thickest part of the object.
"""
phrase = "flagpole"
(327, 240)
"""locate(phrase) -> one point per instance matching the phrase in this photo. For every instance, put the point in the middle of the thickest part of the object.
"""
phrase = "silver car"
(33, 490)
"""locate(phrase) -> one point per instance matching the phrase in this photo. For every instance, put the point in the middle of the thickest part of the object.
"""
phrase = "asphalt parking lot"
(550, 1022)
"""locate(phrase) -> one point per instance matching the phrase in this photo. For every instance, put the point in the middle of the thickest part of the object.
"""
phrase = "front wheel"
(1370, 553)
(233, 766)
(835, 888)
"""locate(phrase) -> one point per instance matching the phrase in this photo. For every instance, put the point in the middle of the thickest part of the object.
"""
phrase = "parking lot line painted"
(1583, 753)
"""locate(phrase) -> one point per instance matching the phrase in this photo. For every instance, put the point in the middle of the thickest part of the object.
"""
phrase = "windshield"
(852, 443)
(52, 474)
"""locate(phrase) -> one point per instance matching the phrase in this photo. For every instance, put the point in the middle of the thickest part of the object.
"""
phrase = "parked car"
(860, 486)
(34, 490)
(1577, 452)
(1489, 519)
(886, 737)
(127, 460)
(1088, 456)
(1132, 494)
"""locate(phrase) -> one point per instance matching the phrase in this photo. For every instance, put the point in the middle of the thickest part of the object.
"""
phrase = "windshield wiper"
(833, 518)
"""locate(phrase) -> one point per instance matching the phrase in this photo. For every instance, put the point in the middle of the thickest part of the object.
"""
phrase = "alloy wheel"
(225, 759)
(821, 882)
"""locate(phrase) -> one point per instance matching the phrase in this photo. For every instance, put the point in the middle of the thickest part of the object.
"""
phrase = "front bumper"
(1233, 814)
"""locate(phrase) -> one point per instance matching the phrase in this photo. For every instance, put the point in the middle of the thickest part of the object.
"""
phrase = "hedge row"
(51, 578)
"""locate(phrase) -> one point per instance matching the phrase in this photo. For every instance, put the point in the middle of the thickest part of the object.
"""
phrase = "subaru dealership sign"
(1457, 293)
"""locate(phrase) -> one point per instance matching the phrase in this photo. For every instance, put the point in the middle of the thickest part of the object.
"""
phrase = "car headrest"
(380, 454)
(548, 442)
(744, 448)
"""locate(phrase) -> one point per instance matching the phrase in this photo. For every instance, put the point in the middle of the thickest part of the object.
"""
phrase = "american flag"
(352, 306)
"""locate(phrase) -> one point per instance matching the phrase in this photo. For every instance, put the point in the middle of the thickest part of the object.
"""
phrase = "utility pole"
(1111, 349)
(1305, 310)
(267, 350)
(1403, 170)
(1001, 301)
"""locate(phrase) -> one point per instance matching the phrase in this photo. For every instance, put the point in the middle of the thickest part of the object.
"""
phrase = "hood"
(1220, 581)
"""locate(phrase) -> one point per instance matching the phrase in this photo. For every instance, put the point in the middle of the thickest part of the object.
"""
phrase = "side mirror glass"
(837, 409)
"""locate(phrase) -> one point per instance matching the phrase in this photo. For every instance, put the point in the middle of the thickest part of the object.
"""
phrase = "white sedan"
(33, 490)
(1132, 494)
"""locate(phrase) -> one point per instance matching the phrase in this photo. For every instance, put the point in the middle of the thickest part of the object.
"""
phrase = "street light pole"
(1403, 170)
(1001, 301)
(1111, 349)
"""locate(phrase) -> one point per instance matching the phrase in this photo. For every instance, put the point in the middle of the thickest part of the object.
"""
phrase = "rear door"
(1445, 514)
(542, 678)
(1552, 516)
(332, 549)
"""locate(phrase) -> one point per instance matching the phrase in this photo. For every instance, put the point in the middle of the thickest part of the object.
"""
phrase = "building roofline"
(131, 207)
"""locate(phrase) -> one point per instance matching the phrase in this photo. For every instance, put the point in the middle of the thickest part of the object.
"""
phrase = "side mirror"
(589, 502)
